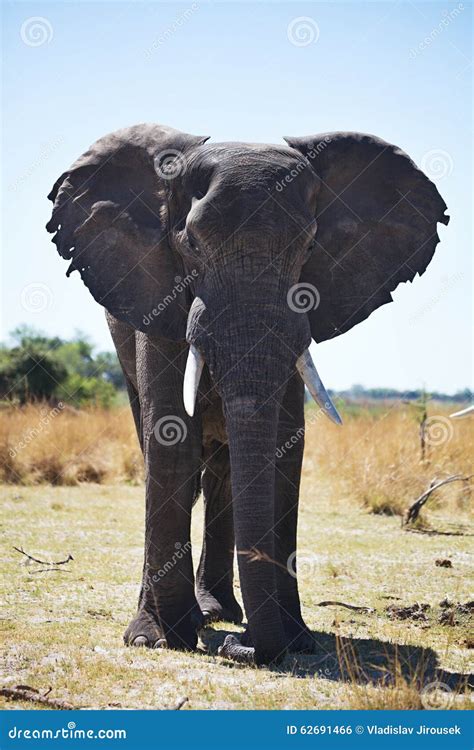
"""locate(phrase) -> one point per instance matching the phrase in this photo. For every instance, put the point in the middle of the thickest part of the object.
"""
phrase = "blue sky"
(401, 70)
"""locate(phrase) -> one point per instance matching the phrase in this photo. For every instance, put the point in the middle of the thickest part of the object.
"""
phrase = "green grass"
(63, 630)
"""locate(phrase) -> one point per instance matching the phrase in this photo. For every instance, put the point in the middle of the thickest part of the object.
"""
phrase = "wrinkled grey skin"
(242, 224)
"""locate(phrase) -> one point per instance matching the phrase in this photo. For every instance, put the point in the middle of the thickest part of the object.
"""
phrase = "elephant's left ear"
(377, 217)
(110, 220)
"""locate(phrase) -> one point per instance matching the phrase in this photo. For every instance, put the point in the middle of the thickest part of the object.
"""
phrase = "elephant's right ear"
(377, 217)
(110, 220)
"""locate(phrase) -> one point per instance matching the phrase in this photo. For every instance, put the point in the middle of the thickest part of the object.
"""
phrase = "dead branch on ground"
(31, 695)
(42, 562)
(414, 510)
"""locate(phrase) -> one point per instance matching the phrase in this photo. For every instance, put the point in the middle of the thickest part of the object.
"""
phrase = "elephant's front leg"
(288, 463)
(168, 613)
(215, 575)
(289, 458)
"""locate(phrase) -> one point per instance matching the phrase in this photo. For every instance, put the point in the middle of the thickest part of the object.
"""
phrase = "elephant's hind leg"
(214, 578)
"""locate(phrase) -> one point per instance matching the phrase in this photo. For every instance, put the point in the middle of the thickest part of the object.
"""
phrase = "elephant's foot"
(301, 641)
(144, 630)
(299, 638)
(219, 605)
(243, 651)
(233, 649)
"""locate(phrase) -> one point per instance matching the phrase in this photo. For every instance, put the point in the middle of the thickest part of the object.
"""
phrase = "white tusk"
(192, 376)
(309, 373)
(464, 413)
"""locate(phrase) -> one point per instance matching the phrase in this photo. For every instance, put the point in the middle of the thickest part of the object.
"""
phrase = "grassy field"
(62, 628)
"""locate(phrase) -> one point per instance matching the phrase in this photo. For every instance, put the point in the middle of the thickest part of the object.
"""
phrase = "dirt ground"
(411, 646)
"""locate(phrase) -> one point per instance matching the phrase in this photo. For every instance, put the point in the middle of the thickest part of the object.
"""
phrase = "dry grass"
(64, 629)
(375, 459)
(67, 447)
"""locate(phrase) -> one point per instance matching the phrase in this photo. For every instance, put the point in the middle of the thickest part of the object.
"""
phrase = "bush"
(80, 391)
(38, 368)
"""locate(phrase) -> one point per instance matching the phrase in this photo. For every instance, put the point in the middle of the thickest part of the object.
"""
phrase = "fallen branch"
(414, 510)
(353, 607)
(42, 562)
(26, 693)
(179, 704)
(32, 695)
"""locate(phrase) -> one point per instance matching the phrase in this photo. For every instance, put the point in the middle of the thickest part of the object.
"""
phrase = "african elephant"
(202, 254)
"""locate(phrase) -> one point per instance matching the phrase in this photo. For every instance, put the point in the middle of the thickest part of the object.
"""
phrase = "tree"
(30, 372)
(43, 367)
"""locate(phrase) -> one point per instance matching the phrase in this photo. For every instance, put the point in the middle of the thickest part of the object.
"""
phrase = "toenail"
(160, 643)
(140, 640)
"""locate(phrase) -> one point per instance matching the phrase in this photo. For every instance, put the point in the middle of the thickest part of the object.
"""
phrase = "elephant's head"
(248, 252)
(248, 244)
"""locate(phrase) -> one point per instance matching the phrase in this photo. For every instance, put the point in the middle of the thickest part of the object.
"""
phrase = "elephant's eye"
(191, 239)
(198, 194)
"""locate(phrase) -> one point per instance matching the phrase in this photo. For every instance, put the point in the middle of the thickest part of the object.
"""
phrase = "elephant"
(218, 264)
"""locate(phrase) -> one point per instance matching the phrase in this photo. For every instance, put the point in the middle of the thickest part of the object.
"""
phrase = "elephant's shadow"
(358, 660)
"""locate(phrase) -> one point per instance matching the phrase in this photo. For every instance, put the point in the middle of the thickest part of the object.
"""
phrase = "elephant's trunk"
(250, 342)
(252, 442)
